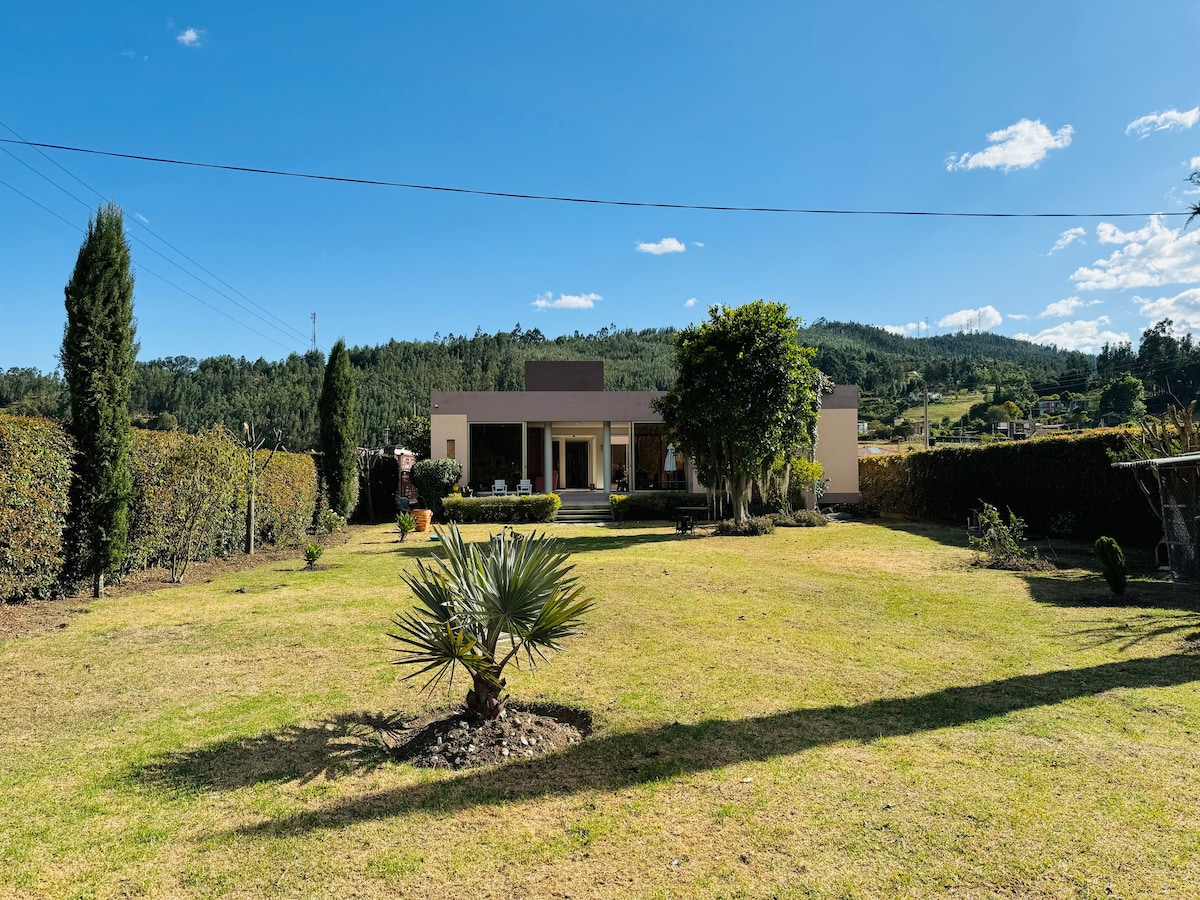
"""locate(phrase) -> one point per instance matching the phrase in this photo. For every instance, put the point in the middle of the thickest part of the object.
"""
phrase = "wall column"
(524, 450)
(547, 457)
(606, 440)
(631, 463)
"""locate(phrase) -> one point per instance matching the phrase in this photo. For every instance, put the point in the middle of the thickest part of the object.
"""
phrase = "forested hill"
(395, 379)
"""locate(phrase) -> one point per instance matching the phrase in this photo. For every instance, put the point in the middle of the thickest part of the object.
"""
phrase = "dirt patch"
(460, 741)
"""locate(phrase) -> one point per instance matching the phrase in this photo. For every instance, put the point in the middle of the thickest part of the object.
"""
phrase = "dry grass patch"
(850, 711)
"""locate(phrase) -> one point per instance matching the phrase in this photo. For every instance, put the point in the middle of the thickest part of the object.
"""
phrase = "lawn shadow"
(334, 748)
(1073, 589)
(616, 761)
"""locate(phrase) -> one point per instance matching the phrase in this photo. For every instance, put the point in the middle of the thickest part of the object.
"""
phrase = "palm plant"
(482, 606)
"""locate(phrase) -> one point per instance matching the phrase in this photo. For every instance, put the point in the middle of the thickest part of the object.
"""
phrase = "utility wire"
(592, 200)
(142, 268)
(152, 249)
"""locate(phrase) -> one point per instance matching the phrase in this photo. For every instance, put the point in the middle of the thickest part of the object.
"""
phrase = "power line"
(343, 179)
(153, 250)
(142, 268)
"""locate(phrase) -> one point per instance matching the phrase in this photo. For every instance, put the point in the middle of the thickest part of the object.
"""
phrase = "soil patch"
(459, 741)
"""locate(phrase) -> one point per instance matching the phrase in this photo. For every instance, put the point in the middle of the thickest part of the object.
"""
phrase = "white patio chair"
(524, 487)
(499, 488)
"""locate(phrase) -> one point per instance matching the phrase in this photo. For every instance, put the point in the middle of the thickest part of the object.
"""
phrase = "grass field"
(850, 711)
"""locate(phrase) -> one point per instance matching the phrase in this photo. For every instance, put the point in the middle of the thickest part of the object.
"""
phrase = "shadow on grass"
(599, 538)
(617, 761)
(1073, 589)
(334, 748)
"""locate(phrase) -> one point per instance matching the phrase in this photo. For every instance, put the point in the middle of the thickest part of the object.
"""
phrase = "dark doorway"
(576, 475)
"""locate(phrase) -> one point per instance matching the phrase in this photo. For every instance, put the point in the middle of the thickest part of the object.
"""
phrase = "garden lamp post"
(924, 384)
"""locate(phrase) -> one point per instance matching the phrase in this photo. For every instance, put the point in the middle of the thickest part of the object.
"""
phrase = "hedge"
(532, 508)
(286, 498)
(1059, 485)
(652, 506)
(35, 474)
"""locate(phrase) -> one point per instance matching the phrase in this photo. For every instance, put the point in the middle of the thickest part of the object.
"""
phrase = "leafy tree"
(339, 430)
(1123, 396)
(98, 355)
(745, 396)
(434, 478)
(483, 606)
(412, 433)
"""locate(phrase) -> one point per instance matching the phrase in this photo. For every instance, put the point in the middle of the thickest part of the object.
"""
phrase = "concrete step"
(584, 515)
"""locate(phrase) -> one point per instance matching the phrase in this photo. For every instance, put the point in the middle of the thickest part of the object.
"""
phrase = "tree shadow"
(617, 761)
(1073, 589)
(334, 748)
(1130, 633)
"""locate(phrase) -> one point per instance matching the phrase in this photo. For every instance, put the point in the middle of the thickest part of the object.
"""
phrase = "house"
(565, 425)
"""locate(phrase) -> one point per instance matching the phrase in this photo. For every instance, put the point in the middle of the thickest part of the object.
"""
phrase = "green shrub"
(286, 498)
(434, 478)
(1001, 544)
(35, 473)
(532, 508)
(1043, 477)
(330, 522)
(405, 522)
(1112, 564)
(752, 527)
(801, 518)
(652, 506)
(311, 554)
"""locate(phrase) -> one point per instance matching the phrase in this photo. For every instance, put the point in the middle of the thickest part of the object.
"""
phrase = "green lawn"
(851, 711)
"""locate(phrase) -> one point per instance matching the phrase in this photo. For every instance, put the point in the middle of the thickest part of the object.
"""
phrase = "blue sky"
(1018, 107)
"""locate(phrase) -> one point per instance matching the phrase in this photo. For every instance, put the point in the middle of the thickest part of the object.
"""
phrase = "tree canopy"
(746, 396)
(98, 354)
(339, 431)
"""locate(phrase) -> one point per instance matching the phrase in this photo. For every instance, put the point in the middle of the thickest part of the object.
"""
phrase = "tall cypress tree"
(339, 429)
(98, 355)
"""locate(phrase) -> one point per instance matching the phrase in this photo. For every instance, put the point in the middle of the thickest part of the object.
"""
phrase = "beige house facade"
(565, 433)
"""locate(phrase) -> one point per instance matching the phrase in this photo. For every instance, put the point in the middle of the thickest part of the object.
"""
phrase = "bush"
(329, 522)
(753, 527)
(801, 518)
(311, 554)
(533, 508)
(652, 506)
(286, 497)
(35, 459)
(1042, 477)
(1001, 544)
(434, 478)
(1112, 564)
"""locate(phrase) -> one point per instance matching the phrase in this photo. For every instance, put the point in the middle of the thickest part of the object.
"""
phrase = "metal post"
(606, 472)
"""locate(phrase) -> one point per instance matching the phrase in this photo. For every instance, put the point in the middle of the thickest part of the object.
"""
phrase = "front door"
(576, 474)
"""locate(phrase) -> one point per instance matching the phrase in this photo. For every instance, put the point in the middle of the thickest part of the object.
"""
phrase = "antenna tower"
(314, 321)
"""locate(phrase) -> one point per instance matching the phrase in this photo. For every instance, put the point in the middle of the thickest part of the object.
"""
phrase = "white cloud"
(970, 319)
(1067, 238)
(902, 330)
(666, 245)
(190, 37)
(1018, 316)
(1088, 336)
(1063, 308)
(1167, 120)
(1018, 146)
(701, 243)
(691, 301)
(566, 301)
(1195, 163)
(1151, 256)
(1183, 309)
(141, 218)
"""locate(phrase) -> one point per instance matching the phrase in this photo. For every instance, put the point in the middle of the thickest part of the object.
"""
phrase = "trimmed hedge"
(35, 474)
(652, 506)
(285, 500)
(533, 508)
(1058, 485)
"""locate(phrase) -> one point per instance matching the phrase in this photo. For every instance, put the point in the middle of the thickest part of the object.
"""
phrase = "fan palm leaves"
(483, 606)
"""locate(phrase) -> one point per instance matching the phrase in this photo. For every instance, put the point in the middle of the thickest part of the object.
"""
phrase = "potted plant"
(405, 522)
(422, 518)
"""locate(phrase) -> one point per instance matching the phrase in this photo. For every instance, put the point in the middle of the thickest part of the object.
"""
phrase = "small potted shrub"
(311, 554)
(405, 522)
(1112, 565)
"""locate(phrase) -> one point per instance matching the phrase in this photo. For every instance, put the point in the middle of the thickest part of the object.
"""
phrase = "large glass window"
(495, 455)
(659, 467)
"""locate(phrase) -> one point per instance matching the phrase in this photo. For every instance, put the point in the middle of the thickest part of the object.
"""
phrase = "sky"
(1023, 107)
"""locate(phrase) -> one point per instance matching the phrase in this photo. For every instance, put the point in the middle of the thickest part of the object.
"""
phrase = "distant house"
(565, 433)
(1049, 408)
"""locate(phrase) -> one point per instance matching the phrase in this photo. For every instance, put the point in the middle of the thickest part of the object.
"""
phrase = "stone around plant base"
(459, 741)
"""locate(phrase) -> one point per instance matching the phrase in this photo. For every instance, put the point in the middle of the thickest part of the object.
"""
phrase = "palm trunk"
(483, 700)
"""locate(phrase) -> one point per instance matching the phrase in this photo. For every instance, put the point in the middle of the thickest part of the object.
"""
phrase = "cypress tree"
(339, 428)
(98, 355)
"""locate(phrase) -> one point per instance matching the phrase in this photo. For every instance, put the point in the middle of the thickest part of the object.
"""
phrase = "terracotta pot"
(423, 517)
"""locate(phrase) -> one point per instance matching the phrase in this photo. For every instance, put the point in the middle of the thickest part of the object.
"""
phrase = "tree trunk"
(250, 522)
(483, 700)
(98, 584)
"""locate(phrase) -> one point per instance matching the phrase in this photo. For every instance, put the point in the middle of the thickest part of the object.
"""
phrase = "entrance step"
(581, 514)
